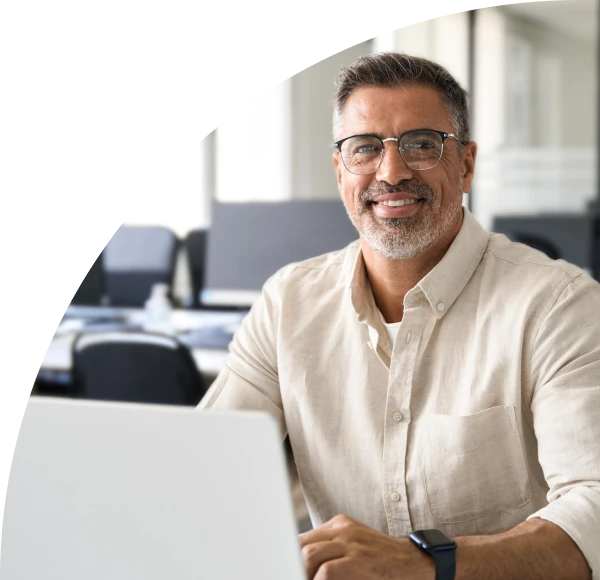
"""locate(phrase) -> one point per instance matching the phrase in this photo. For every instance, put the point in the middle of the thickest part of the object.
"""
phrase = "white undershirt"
(392, 330)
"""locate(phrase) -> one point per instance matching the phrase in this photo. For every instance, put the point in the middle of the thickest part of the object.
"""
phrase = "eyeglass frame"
(442, 134)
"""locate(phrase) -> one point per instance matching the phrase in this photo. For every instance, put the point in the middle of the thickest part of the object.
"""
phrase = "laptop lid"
(110, 490)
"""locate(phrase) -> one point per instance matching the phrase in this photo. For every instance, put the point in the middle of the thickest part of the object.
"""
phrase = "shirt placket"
(397, 420)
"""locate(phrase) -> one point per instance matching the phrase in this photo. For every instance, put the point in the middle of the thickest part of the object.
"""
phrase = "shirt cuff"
(577, 513)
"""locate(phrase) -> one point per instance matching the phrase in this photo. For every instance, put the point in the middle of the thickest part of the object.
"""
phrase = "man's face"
(402, 232)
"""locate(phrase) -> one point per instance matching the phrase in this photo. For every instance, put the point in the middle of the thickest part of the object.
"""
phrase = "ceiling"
(576, 18)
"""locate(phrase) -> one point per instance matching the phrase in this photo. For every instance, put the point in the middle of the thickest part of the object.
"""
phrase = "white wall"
(312, 110)
(444, 40)
(488, 114)
(534, 117)
(253, 152)
(576, 58)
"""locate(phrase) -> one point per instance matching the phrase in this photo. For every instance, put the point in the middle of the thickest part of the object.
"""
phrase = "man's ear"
(337, 164)
(469, 153)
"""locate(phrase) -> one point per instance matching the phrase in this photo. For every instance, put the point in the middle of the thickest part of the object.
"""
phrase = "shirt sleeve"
(249, 380)
(565, 365)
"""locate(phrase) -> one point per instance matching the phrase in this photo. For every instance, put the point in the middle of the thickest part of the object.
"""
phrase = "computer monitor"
(249, 242)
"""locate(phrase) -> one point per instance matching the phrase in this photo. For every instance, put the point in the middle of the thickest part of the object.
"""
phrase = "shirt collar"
(440, 287)
(360, 290)
(447, 280)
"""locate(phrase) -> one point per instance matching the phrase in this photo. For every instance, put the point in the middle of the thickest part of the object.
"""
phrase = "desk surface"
(210, 361)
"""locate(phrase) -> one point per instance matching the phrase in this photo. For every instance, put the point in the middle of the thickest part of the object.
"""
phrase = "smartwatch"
(441, 548)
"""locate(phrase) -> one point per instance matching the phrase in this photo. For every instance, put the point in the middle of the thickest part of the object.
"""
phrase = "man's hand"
(344, 549)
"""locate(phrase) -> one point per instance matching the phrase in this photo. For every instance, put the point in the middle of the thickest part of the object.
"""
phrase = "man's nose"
(393, 169)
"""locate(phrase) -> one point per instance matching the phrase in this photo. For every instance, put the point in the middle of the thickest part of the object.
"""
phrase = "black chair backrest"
(136, 258)
(91, 291)
(195, 248)
(135, 367)
(538, 243)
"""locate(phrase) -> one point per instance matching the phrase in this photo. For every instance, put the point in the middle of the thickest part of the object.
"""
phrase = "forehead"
(392, 111)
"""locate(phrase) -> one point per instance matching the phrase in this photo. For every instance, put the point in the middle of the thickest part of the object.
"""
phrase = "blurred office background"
(531, 73)
(269, 197)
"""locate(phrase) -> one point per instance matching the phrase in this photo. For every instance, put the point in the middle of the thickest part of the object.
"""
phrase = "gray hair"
(392, 69)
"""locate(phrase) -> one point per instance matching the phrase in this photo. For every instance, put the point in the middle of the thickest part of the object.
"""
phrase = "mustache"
(405, 186)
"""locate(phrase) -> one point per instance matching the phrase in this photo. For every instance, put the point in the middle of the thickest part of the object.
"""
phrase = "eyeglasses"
(420, 149)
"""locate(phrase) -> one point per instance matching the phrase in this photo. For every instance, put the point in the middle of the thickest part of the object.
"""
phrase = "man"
(430, 376)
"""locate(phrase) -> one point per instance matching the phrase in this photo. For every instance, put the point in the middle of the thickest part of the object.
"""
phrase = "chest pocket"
(474, 465)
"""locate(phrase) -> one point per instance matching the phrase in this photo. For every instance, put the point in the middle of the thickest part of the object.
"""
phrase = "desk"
(58, 358)
(57, 362)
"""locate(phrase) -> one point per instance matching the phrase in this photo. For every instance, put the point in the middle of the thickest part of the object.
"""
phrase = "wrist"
(440, 548)
(420, 564)
(470, 557)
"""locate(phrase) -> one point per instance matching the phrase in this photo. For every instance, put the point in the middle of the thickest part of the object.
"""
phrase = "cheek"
(444, 185)
(352, 186)
(448, 180)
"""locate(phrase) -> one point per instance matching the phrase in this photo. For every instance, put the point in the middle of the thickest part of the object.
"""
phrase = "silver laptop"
(103, 491)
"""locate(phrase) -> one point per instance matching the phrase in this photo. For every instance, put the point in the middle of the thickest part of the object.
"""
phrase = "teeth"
(398, 203)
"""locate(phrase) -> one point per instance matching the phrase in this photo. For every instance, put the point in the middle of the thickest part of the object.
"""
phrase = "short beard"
(404, 238)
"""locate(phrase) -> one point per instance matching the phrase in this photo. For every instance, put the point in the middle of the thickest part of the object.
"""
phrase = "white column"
(253, 160)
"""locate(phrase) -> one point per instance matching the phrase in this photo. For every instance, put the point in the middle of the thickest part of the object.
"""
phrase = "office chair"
(136, 367)
(136, 258)
(91, 290)
(538, 243)
(195, 248)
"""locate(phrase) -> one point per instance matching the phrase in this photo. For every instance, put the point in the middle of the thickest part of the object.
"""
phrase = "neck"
(390, 280)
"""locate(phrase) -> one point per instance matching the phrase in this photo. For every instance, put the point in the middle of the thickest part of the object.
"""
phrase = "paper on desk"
(69, 325)
(185, 321)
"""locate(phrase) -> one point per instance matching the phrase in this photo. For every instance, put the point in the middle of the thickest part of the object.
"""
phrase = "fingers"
(324, 548)
(317, 554)
(339, 569)
(330, 529)
(321, 534)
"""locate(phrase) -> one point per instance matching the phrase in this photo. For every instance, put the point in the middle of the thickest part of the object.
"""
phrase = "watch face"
(432, 539)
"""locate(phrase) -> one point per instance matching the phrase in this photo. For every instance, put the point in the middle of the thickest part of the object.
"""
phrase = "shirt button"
(370, 345)
(440, 306)
(397, 416)
(395, 496)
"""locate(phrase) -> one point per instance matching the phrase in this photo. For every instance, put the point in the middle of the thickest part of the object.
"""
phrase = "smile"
(396, 203)
(396, 208)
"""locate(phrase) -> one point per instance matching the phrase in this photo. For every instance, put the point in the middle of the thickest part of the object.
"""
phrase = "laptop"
(125, 491)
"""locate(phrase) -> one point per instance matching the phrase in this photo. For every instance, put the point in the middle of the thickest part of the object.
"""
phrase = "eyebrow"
(382, 137)
(422, 129)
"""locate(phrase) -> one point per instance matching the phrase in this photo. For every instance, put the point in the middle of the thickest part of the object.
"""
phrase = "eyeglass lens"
(419, 149)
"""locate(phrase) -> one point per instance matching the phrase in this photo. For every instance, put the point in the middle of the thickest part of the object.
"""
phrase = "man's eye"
(421, 145)
(366, 149)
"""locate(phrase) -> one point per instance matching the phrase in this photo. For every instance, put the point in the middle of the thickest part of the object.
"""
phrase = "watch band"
(445, 564)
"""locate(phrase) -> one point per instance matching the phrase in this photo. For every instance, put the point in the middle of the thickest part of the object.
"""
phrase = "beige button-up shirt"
(484, 412)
